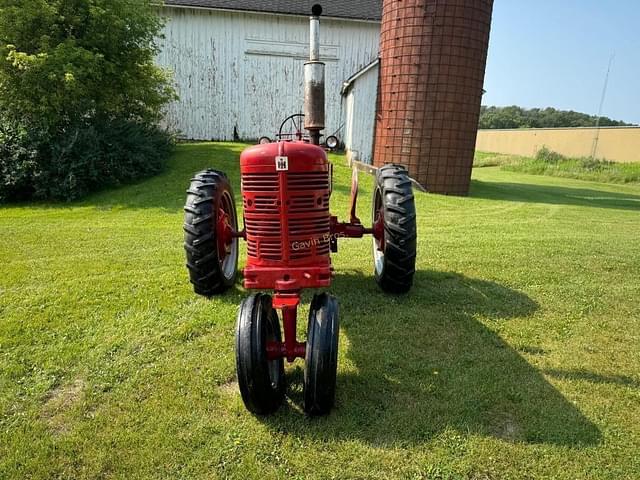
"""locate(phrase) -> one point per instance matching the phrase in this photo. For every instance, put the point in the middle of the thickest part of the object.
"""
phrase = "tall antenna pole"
(594, 147)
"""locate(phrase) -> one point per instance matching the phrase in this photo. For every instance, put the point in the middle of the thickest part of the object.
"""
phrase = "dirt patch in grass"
(230, 387)
(59, 401)
(507, 428)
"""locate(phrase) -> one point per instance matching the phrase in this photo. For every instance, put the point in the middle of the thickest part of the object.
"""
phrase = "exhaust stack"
(314, 81)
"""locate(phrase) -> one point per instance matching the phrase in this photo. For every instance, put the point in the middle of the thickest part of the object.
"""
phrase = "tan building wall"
(618, 144)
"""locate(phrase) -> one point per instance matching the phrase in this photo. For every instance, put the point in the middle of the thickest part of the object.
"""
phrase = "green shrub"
(80, 159)
(80, 96)
(18, 161)
(549, 156)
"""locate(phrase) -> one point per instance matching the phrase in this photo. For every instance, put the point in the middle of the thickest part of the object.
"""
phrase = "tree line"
(518, 117)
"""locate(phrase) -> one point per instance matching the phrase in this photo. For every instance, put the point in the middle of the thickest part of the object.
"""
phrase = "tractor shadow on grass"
(551, 194)
(421, 365)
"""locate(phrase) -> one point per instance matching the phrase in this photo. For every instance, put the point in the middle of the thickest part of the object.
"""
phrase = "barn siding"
(359, 114)
(244, 70)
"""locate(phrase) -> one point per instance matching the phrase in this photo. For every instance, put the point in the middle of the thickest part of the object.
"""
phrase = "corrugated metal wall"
(360, 113)
(244, 70)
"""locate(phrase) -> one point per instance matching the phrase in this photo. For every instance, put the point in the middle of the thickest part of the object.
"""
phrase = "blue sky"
(545, 53)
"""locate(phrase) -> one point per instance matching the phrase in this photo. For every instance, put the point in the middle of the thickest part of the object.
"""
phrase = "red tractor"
(290, 234)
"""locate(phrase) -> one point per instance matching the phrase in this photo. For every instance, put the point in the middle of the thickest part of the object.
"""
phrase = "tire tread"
(398, 202)
(205, 272)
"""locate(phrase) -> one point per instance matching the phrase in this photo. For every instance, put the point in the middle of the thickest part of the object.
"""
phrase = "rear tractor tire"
(394, 217)
(210, 217)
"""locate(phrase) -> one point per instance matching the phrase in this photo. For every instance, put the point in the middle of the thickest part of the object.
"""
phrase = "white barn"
(359, 94)
(238, 64)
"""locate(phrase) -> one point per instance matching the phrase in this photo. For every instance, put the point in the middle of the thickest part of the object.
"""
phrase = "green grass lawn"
(516, 355)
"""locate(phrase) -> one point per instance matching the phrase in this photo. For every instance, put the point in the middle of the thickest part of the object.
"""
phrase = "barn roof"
(354, 9)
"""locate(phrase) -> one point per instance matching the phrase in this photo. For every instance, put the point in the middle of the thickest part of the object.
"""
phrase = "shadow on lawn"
(531, 193)
(586, 376)
(423, 364)
(167, 190)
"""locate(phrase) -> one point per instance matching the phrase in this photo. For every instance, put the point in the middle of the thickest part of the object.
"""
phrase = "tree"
(77, 69)
(518, 117)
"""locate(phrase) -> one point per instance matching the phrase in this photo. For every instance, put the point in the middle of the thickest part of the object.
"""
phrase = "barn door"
(273, 91)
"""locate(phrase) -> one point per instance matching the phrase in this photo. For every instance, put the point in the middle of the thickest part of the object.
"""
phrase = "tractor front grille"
(286, 216)
(259, 182)
(308, 181)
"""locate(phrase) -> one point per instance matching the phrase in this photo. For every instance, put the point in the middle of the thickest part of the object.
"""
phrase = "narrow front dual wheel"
(321, 355)
(261, 380)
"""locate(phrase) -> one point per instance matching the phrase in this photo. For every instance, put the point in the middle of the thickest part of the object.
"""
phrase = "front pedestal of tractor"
(261, 351)
(286, 188)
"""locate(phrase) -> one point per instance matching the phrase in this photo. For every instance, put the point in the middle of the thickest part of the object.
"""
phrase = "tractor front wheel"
(321, 355)
(261, 380)
(394, 225)
(210, 221)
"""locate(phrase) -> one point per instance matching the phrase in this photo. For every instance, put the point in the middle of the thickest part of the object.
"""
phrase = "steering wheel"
(292, 128)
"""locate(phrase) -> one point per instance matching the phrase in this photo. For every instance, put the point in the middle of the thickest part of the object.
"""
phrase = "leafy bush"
(80, 96)
(18, 161)
(549, 156)
(79, 160)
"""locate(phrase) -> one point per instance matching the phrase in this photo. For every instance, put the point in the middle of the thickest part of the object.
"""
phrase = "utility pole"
(594, 147)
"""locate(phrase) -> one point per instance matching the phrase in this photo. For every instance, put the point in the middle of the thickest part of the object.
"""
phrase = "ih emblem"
(282, 163)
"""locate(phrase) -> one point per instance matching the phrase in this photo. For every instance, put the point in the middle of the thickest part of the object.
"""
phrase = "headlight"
(331, 142)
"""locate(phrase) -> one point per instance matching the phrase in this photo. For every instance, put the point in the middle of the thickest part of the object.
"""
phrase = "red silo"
(432, 62)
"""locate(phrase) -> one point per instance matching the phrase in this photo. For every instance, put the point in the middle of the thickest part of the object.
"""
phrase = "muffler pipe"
(314, 81)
